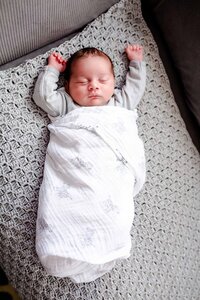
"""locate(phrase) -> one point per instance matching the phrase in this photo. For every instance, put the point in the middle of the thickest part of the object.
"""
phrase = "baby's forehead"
(95, 56)
(93, 60)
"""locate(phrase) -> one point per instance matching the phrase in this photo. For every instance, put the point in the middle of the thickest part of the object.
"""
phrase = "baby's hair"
(84, 52)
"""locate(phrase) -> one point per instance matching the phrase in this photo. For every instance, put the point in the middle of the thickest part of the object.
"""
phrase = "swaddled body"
(94, 166)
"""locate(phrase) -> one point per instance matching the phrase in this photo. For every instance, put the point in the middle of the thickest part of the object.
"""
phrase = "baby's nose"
(93, 85)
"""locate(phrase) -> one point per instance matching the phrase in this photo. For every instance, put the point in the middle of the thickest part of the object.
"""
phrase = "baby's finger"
(60, 59)
(128, 47)
(55, 54)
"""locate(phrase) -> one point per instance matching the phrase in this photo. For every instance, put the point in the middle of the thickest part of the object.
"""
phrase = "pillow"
(29, 25)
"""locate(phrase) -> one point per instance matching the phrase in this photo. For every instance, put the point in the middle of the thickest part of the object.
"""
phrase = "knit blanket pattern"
(164, 261)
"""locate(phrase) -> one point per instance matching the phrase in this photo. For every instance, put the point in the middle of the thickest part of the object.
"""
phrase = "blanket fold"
(94, 166)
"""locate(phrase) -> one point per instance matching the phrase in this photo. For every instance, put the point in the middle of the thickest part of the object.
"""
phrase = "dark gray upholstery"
(175, 25)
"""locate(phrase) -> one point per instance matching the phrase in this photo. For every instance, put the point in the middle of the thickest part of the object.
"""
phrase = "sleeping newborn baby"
(94, 164)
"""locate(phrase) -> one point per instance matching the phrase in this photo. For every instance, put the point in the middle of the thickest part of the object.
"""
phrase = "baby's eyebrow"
(105, 73)
(81, 77)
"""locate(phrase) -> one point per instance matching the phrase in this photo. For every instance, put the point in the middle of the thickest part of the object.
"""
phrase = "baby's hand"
(56, 61)
(134, 52)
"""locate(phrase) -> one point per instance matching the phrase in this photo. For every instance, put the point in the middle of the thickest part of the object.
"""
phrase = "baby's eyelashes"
(103, 80)
(82, 82)
(89, 81)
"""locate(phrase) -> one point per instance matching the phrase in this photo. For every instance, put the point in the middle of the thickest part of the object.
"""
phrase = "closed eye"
(82, 82)
(103, 80)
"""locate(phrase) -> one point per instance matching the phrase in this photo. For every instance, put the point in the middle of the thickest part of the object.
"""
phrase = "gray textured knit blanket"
(165, 260)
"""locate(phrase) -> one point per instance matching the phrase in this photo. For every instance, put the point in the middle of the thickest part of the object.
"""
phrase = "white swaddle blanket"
(94, 166)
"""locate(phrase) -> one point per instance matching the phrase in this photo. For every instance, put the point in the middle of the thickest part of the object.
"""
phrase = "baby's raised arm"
(46, 94)
(133, 90)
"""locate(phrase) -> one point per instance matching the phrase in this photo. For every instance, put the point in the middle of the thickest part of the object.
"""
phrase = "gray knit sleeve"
(133, 90)
(47, 95)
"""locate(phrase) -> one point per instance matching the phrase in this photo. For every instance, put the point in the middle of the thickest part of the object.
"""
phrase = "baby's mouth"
(93, 96)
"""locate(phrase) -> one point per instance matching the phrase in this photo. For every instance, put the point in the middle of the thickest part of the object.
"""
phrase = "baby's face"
(92, 81)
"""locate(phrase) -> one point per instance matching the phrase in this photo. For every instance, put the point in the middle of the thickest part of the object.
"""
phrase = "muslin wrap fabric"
(94, 166)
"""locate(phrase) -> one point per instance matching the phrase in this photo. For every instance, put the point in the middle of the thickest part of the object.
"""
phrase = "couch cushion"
(179, 22)
(28, 25)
